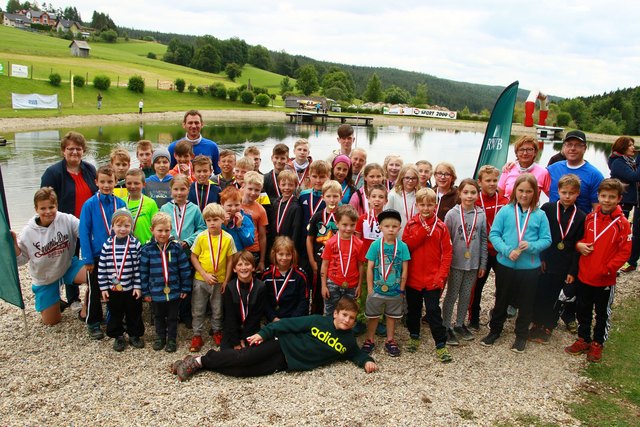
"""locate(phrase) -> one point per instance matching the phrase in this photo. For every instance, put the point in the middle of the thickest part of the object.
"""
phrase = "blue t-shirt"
(395, 274)
(590, 179)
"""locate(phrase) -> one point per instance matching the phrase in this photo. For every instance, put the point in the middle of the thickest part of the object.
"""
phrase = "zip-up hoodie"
(93, 230)
(430, 254)
(621, 170)
(192, 225)
(152, 276)
(48, 250)
(478, 244)
(610, 251)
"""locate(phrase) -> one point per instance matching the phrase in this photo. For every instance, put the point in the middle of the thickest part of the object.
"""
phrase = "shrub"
(263, 99)
(191, 88)
(233, 93)
(109, 36)
(55, 79)
(233, 71)
(259, 90)
(78, 81)
(101, 82)
(136, 84)
(151, 55)
(148, 39)
(218, 90)
(563, 118)
(246, 96)
(180, 84)
(200, 90)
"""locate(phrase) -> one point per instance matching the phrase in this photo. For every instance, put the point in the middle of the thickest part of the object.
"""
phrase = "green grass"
(613, 399)
(45, 54)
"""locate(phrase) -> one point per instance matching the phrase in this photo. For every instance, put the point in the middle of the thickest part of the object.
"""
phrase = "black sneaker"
(95, 332)
(171, 346)
(474, 326)
(119, 344)
(519, 344)
(490, 339)
(159, 344)
(464, 333)
(136, 342)
(452, 339)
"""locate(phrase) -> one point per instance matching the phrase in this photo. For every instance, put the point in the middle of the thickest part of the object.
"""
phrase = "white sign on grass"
(19, 70)
(33, 100)
(420, 112)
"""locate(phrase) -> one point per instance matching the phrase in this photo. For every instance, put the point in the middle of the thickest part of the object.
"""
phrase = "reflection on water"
(29, 153)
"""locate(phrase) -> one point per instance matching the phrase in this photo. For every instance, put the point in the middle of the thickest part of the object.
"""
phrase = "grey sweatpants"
(459, 288)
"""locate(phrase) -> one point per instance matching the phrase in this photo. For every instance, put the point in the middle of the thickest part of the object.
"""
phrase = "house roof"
(67, 23)
(14, 16)
(81, 44)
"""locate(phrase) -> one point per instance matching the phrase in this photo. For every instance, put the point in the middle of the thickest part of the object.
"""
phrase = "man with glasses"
(573, 147)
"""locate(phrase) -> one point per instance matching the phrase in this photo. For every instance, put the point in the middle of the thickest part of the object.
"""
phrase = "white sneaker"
(76, 307)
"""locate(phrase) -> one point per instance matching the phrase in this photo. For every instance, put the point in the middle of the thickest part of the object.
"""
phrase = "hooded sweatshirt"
(48, 250)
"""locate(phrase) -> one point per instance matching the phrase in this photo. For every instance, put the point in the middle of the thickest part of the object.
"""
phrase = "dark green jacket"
(311, 341)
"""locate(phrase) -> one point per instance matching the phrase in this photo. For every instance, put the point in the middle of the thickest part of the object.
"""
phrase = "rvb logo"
(325, 337)
(494, 143)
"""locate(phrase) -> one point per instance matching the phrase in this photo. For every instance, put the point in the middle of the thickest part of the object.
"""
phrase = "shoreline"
(38, 123)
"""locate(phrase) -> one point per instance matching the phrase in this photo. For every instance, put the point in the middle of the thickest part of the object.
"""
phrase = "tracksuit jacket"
(151, 273)
(93, 231)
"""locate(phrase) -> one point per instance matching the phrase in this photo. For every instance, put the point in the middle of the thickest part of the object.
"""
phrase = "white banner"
(19, 70)
(33, 100)
(420, 112)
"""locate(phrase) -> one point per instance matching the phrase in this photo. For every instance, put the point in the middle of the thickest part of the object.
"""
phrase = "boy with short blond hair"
(250, 193)
(95, 229)
(358, 159)
(227, 164)
(120, 161)
(285, 216)
(203, 191)
(243, 165)
(605, 248)
(142, 208)
(322, 226)
(279, 158)
(236, 222)
(311, 199)
(342, 261)
(211, 255)
(144, 154)
(301, 162)
(183, 155)
(253, 153)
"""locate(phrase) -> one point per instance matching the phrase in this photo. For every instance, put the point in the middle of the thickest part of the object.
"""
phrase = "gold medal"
(345, 285)
(467, 255)
(384, 288)
(166, 290)
(118, 287)
(560, 246)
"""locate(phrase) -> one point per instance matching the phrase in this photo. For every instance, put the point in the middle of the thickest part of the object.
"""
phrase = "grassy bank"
(612, 398)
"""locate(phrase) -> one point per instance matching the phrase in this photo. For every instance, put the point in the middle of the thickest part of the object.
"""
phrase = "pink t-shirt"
(507, 179)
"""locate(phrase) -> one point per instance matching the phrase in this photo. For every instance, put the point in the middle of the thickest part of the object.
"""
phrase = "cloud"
(565, 48)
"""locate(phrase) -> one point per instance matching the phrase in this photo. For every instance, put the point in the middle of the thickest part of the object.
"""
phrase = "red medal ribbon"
(326, 220)
(200, 205)
(215, 261)
(165, 264)
(407, 214)
(279, 293)
(596, 236)
(467, 240)
(279, 217)
(424, 224)
(342, 267)
(563, 233)
(135, 219)
(344, 190)
(383, 272)
(522, 230)
(244, 310)
(104, 214)
(179, 223)
(275, 182)
(313, 208)
(304, 175)
(489, 224)
(124, 258)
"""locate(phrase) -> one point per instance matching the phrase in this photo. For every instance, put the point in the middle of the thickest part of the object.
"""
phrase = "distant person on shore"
(74, 180)
(193, 124)
(140, 106)
(99, 100)
(48, 244)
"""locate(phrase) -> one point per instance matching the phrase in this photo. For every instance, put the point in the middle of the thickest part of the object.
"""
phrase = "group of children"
(242, 247)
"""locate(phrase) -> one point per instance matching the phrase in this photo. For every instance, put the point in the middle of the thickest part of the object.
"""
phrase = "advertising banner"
(19, 71)
(33, 100)
(420, 112)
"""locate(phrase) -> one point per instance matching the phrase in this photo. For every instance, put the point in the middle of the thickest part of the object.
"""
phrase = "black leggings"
(253, 361)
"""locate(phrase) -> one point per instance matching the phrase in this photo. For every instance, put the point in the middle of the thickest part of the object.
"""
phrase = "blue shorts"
(47, 295)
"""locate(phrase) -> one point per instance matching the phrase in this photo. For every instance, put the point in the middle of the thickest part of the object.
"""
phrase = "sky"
(562, 47)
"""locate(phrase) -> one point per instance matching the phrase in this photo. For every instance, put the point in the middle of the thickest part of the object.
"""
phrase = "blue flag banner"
(10, 284)
(495, 146)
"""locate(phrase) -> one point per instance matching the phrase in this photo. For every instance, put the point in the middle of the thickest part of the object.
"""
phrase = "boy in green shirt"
(142, 208)
(302, 344)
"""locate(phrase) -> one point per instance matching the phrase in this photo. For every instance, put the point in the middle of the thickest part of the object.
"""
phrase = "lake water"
(30, 152)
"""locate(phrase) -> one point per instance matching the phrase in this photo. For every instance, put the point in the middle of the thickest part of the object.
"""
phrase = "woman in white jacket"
(48, 244)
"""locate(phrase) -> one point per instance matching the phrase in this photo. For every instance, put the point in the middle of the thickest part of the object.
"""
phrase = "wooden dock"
(311, 117)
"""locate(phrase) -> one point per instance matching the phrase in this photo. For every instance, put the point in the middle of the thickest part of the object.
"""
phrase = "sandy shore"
(21, 124)
(59, 376)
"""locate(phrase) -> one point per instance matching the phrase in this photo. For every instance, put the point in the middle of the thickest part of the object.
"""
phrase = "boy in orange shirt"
(250, 192)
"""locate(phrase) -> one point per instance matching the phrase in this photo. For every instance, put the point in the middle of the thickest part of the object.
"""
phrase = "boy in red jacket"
(605, 247)
(430, 246)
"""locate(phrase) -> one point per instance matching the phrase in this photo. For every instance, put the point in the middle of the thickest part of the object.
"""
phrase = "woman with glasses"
(74, 182)
(526, 150)
(446, 191)
(625, 166)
